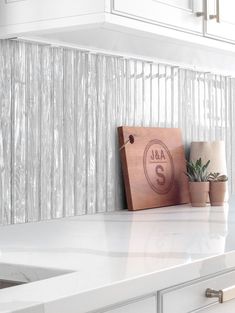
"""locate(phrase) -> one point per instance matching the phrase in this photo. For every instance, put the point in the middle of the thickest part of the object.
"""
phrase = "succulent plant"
(217, 177)
(197, 171)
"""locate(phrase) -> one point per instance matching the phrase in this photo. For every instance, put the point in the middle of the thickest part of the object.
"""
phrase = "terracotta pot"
(217, 192)
(198, 193)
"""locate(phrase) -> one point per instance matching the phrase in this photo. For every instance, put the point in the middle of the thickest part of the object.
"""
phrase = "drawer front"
(143, 306)
(227, 307)
(189, 297)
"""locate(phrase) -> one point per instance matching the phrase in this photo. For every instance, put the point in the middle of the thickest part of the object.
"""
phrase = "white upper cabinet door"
(182, 14)
(220, 21)
(13, 12)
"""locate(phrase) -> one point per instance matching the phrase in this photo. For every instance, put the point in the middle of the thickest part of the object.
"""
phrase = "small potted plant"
(198, 182)
(218, 187)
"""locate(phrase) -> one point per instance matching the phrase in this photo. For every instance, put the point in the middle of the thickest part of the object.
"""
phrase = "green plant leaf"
(196, 171)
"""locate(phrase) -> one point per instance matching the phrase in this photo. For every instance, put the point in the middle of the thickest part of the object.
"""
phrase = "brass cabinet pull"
(223, 295)
(217, 15)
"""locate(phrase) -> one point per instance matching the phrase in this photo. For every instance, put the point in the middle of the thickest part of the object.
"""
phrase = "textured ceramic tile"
(32, 123)
(58, 133)
(46, 133)
(91, 125)
(111, 112)
(59, 112)
(69, 135)
(19, 134)
(5, 132)
(81, 98)
(101, 155)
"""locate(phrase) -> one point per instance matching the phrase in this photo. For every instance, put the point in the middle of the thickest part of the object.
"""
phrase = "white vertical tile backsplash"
(57, 134)
(46, 133)
(32, 149)
(6, 133)
(19, 134)
(59, 109)
(81, 98)
(69, 133)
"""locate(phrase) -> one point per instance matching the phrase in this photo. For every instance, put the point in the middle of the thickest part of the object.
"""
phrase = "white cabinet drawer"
(143, 306)
(189, 297)
(228, 307)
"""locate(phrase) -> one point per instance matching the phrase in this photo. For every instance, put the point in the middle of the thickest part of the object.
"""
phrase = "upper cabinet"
(181, 14)
(208, 18)
(18, 17)
(26, 11)
(220, 19)
(194, 32)
(211, 18)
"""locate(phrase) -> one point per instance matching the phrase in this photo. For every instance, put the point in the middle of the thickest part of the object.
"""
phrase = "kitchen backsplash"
(59, 109)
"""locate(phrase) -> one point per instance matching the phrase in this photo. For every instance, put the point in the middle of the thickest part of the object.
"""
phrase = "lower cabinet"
(147, 305)
(190, 297)
(227, 307)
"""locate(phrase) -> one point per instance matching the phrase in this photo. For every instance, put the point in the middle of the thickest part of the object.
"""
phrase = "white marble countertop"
(111, 257)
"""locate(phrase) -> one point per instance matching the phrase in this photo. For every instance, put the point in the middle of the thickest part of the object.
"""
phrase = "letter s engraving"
(158, 170)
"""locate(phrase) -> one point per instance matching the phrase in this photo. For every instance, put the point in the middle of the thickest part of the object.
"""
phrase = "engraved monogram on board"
(158, 166)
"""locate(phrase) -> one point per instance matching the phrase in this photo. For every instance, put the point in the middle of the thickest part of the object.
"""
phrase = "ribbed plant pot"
(210, 150)
(217, 192)
(198, 193)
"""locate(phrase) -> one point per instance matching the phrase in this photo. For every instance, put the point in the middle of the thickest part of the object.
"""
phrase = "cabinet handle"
(199, 14)
(223, 295)
(217, 15)
(198, 8)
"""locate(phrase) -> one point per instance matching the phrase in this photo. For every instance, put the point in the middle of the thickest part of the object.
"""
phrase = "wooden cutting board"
(153, 167)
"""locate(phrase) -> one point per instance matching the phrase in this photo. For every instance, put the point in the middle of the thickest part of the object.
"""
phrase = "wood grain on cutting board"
(153, 167)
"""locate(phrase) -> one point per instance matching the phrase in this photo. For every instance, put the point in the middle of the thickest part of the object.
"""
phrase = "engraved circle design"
(157, 156)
